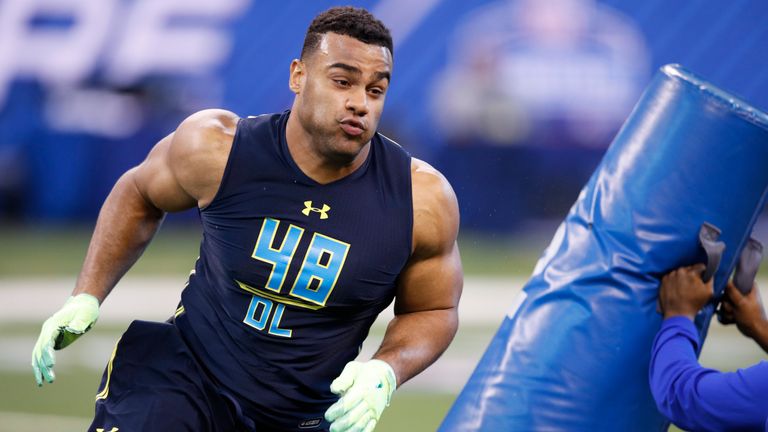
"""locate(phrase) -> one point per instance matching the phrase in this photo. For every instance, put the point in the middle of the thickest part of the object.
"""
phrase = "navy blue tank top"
(292, 273)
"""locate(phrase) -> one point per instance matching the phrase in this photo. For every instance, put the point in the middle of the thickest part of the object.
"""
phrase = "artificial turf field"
(66, 405)
(56, 255)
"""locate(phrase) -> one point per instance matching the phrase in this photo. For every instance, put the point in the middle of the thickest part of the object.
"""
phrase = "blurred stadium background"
(513, 100)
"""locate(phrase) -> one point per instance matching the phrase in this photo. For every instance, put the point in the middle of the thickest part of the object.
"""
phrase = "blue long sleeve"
(701, 399)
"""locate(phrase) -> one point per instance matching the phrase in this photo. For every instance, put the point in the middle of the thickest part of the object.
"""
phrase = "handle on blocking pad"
(746, 268)
(709, 239)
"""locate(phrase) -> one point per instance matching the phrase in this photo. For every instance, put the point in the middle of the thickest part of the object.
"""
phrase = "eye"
(376, 91)
(342, 82)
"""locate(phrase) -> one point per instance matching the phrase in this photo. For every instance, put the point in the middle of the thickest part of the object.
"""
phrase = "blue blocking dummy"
(573, 353)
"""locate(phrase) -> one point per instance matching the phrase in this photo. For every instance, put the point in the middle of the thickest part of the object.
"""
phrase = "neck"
(322, 167)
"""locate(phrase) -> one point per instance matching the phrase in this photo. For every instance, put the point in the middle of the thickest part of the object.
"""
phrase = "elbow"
(677, 399)
(663, 389)
(665, 404)
(451, 321)
(668, 389)
(673, 407)
(127, 205)
(137, 199)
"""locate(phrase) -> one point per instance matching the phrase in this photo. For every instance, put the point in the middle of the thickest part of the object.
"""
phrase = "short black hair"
(350, 21)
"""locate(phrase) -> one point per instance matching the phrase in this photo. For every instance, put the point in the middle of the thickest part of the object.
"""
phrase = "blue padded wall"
(574, 354)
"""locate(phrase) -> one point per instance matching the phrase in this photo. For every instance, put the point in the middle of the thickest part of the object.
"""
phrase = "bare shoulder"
(199, 151)
(435, 208)
(207, 131)
(431, 188)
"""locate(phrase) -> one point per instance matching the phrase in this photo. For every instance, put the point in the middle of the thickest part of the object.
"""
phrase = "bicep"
(433, 277)
(157, 182)
(430, 283)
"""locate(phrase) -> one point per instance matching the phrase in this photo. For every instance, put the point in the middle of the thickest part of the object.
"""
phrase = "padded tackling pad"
(573, 353)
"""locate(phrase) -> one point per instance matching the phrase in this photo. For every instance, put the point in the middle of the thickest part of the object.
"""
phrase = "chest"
(316, 247)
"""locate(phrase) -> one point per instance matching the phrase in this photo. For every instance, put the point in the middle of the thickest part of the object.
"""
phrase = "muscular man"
(694, 397)
(312, 223)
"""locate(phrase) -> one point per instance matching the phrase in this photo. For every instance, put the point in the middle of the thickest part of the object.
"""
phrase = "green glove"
(365, 389)
(76, 317)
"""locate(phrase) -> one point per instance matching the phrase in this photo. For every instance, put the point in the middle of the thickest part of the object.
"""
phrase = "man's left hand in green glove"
(76, 317)
(365, 389)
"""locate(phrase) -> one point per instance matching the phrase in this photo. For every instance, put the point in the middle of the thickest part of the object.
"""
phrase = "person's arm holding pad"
(691, 396)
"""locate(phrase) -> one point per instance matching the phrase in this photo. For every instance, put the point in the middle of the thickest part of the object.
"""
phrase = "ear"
(298, 76)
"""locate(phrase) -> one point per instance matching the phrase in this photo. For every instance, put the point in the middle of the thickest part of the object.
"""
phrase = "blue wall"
(82, 100)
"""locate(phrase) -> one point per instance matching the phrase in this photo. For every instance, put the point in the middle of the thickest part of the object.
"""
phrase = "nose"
(357, 102)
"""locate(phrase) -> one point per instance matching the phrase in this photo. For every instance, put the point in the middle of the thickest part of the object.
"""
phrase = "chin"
(346, 149)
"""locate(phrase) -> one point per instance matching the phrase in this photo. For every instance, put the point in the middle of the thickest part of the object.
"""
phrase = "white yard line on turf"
(31, 422)
(485, 300)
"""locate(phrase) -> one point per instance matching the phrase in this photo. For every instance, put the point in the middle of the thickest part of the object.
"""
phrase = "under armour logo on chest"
(323, 211)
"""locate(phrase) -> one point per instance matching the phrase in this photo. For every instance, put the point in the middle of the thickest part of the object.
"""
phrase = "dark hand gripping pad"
(574, 355)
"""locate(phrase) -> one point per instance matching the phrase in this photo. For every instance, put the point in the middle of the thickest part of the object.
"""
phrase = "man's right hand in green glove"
(76, 317)
(365, 389)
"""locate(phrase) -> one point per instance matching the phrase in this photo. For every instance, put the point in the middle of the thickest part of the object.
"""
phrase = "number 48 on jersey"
(318, 274)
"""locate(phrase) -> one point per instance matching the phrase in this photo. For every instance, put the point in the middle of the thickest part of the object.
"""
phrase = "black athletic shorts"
(153, 383)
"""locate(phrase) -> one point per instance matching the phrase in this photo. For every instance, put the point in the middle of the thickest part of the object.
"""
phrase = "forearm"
(126, 224)
(413, 341)
(760, 335)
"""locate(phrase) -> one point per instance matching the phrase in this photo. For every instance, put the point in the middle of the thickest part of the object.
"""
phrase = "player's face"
(340, 90)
